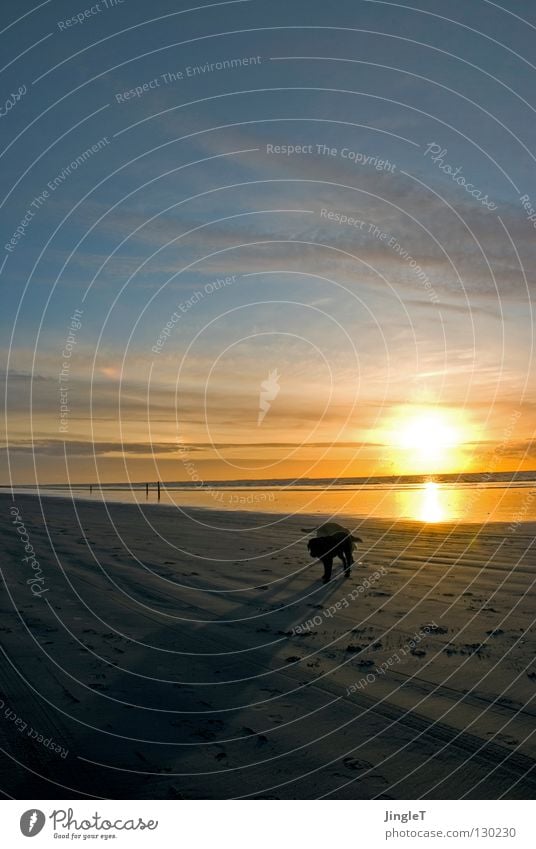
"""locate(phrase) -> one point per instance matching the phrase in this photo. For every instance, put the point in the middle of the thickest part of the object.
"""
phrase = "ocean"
(432, 501)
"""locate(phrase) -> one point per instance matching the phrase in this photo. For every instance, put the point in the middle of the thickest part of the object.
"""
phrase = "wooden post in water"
(90, 488)
(146, 490)
(158, 486)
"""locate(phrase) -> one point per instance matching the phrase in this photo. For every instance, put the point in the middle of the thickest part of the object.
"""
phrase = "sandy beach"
(167, 656)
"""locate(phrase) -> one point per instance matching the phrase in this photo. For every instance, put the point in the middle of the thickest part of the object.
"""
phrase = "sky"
(261, 239)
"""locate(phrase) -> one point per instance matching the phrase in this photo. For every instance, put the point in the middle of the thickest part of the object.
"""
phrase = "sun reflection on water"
(428, 502)
(431, 506)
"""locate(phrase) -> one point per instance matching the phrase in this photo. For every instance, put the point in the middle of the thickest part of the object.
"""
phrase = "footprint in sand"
(381, 778)
(435, 629)
(70, 696)
(473, 648)
(205, 734)
(355, 764)
(503, 738)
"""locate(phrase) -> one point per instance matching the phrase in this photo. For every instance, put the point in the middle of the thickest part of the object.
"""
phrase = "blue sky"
(182, 191)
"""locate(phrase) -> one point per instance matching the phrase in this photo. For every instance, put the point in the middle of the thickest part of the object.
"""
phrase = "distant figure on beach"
(339, 543)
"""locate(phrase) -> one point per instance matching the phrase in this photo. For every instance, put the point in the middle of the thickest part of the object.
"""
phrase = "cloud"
(466, 255)
(83, 448)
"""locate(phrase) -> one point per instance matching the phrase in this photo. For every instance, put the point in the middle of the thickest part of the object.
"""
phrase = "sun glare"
(426, 441)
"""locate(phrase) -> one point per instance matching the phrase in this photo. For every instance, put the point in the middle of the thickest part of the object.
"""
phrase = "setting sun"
(425, 440)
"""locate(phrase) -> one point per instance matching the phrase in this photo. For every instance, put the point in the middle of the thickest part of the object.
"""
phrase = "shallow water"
(423, 502)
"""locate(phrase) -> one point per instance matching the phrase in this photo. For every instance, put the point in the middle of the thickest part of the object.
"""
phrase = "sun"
(428, 435)
(425, 440)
